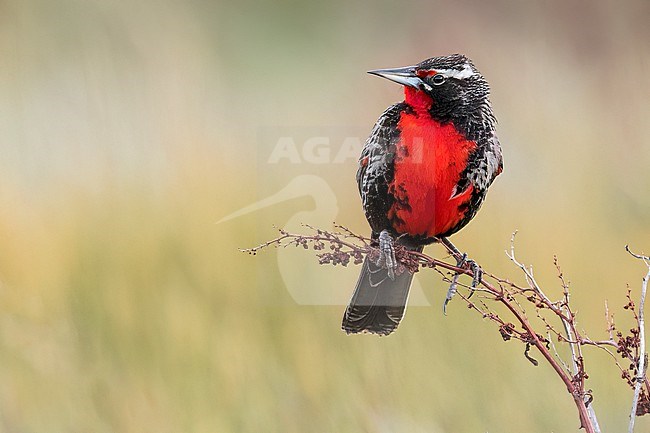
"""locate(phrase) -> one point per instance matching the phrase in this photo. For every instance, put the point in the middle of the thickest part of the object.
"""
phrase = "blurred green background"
(128, 129)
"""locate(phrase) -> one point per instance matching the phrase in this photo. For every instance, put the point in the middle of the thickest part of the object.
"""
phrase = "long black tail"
(378, 303)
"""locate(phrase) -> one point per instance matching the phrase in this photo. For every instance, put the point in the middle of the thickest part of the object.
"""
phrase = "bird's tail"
(378, 302)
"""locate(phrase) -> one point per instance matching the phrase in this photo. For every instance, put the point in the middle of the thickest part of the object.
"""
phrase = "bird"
(423, 174)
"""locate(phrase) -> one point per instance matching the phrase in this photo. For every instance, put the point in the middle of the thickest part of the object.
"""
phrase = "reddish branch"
(343, 246)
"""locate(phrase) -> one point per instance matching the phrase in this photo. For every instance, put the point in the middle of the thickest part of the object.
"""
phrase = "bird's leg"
(387, 253)
(462, 262)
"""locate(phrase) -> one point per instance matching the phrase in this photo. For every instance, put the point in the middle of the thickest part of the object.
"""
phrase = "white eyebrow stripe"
(466, 72)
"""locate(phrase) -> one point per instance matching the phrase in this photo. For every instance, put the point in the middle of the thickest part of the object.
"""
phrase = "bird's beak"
(405, 76)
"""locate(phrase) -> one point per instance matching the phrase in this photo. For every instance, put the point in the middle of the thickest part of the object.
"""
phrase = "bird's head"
(447, 86)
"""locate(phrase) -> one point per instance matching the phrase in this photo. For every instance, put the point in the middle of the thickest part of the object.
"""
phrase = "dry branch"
(342, 247)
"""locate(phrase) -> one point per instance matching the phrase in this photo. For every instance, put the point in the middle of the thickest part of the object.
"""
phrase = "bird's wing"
(376, 167)
(483, 166)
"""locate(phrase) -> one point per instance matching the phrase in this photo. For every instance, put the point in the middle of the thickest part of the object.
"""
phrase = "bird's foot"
(464, 263)
(387, 253)
(477, 272)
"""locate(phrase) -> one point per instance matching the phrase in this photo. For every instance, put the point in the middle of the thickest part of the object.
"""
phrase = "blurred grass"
(127, 131)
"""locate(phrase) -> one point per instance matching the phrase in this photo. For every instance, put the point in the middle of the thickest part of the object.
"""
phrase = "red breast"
(429, 159)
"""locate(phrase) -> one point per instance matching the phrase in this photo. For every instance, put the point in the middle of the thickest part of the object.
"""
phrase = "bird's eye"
(438, 79)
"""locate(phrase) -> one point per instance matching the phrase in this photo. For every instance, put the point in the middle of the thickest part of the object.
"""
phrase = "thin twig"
(640, 371)
(610, 322)
(577, 360)
(578, 371)
(555, 352)
(563, 312)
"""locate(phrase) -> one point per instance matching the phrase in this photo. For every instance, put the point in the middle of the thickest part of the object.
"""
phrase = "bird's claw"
(453, 288)
(477, 275)
(387, 254)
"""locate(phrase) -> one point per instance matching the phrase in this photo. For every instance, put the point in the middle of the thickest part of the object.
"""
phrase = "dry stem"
(344, 245)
